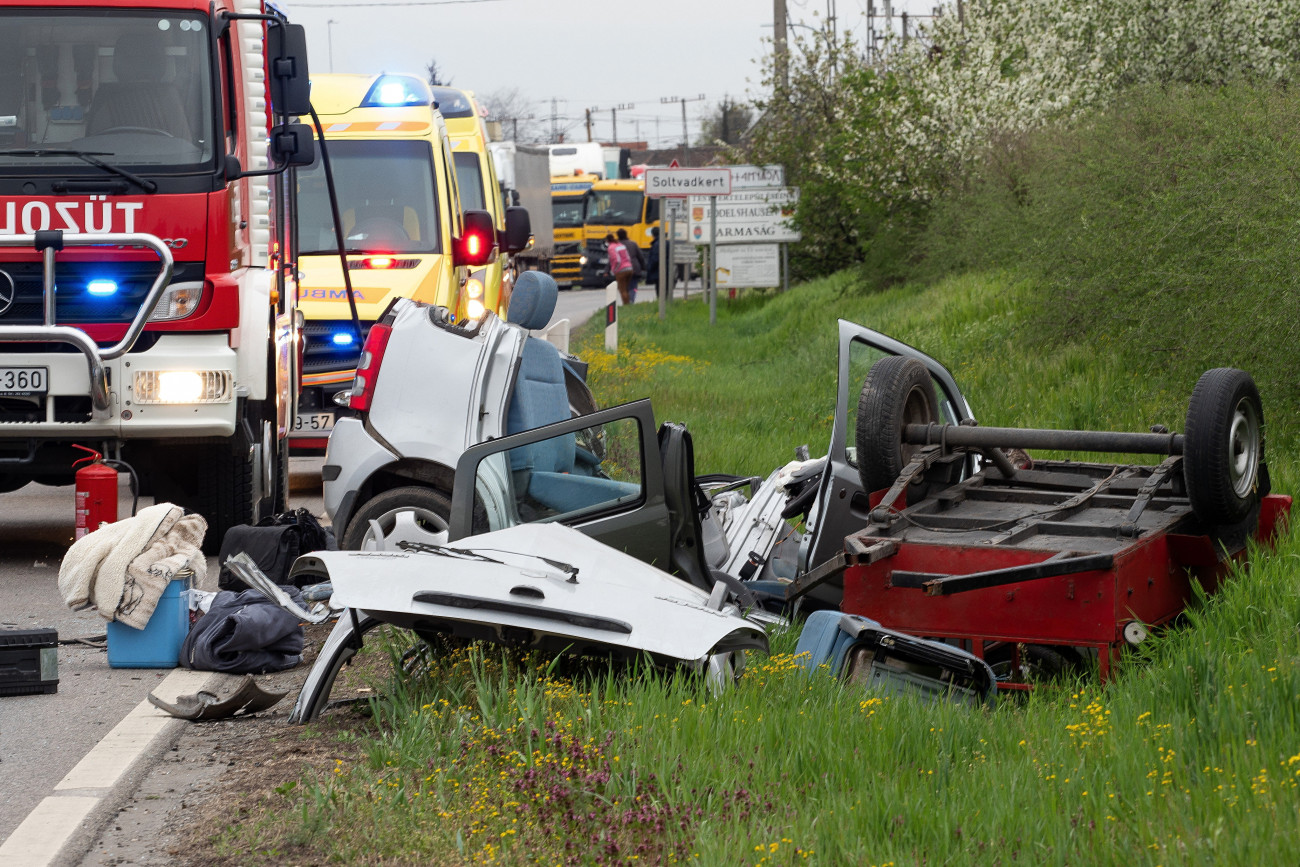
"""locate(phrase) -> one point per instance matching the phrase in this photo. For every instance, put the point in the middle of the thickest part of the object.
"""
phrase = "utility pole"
(780, 48)
(686, 141)
(588, 124)
(613, 117)
(554, 121)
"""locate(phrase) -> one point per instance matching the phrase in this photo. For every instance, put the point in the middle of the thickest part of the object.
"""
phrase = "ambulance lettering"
(331, 294)
(94, 217)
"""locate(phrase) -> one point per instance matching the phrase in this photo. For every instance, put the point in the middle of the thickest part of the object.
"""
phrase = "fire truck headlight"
(181, 386)
(178, 301)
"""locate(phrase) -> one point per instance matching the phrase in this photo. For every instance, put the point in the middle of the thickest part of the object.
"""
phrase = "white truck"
(525, 177)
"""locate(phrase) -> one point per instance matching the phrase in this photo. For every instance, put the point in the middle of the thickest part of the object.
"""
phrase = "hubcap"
(405, 524)
(1243, 448)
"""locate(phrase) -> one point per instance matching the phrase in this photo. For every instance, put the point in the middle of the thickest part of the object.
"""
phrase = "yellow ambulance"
(477, 178)
(404, 231)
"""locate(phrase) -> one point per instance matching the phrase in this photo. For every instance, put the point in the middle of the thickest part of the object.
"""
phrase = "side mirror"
(518, 231)
(293, 145)
(286, 51)
(477, 242)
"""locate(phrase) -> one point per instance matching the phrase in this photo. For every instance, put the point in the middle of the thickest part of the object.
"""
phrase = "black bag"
(273, 543)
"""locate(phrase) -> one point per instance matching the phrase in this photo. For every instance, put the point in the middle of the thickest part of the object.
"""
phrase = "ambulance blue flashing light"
(397, 90)
(343, 338)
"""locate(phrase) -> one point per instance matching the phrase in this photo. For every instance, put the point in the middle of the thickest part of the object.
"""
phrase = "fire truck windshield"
(386, 194)
(131, 87)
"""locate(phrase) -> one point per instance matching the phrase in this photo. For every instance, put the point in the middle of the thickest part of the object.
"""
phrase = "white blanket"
(121, 569)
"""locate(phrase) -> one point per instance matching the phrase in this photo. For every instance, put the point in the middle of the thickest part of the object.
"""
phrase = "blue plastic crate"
(158, 645)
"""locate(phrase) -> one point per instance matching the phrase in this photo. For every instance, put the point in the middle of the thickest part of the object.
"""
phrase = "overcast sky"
(580, 53)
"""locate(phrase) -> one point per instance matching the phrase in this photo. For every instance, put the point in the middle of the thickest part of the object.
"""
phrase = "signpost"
(676, 181)
(760, 216)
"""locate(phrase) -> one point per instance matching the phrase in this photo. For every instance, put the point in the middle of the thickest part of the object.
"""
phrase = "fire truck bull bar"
(48, 244)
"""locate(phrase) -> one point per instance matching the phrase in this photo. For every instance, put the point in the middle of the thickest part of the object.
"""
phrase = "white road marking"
(41, 836)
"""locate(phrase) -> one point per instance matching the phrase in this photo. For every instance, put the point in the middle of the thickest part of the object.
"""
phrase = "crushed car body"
(536, 586)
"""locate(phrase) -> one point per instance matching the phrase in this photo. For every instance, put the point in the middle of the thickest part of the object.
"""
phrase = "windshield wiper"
(91, 157)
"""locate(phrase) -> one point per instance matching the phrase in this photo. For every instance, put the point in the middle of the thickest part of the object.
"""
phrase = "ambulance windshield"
(387, 199)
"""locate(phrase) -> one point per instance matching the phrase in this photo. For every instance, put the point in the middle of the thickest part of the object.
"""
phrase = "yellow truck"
(406, 230)
(568, 196)
(612, 205)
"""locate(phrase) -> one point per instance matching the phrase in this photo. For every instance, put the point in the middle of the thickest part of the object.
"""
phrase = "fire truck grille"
(75, 304)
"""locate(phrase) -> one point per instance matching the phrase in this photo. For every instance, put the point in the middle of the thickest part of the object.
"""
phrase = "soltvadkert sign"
(749, 265)
(687, 182)
(753, 217)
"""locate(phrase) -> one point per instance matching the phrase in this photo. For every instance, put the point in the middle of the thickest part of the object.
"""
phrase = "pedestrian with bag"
(638, 262)
(620, 265)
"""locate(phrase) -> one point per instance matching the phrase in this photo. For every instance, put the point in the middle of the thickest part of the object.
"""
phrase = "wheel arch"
(397, 474)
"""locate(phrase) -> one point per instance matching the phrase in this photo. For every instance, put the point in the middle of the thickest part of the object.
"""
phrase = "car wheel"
(410, 514)
(1223, 448)
(897, 392)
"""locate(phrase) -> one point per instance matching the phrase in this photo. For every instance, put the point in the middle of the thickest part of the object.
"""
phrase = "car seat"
(139, 98)
(547, 471)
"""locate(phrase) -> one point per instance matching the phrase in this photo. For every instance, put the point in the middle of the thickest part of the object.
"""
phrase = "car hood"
(537, 585)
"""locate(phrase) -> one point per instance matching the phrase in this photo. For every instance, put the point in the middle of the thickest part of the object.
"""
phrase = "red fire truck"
(147, 297)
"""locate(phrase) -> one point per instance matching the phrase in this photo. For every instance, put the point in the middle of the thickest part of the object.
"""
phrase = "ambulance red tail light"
(372, 355)
(477, 242)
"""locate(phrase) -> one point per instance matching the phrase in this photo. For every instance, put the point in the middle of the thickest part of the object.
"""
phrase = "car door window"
(569, 477)
(862, 355)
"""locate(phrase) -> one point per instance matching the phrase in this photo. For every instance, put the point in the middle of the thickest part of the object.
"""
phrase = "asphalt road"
(42, 737)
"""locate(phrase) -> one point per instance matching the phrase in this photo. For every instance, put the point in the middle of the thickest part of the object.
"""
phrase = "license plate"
(314, 422)
(24, 381)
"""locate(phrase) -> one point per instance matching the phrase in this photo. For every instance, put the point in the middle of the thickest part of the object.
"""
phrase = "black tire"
(1223, 448)
(221, 489)
(897, 392)
(429, 512)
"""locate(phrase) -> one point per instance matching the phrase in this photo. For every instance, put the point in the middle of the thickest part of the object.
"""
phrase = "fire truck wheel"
(220, 489)
(897, 392)
(10, 482)
(409, 514)
(1223, 448)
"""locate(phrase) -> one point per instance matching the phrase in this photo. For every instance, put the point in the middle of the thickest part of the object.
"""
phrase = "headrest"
(139, 57)
(532, 302)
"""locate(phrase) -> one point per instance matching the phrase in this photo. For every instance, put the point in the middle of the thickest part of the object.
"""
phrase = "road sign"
(750, 265)
(756, 177)
(756, 216)
(687, 182)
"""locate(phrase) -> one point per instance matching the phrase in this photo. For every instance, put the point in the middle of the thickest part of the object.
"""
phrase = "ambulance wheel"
(1223, 448)
(897, 392)
(409, 514)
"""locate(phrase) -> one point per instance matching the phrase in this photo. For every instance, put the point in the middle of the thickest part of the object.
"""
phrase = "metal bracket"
(882, 514)
(1148, 490)
(855, 554)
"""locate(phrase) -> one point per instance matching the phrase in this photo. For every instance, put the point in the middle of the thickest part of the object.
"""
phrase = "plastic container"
(158, 645)
(29, 661)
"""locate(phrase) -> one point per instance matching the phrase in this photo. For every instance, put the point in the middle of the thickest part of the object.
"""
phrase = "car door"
(599, 473)
(841, 507)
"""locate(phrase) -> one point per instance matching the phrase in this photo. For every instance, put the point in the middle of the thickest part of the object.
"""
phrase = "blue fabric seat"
(549, 471)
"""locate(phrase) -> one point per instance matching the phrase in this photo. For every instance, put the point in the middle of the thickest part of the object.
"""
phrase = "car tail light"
(372, 355)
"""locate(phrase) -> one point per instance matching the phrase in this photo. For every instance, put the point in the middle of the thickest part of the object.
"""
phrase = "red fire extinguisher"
(96, 492)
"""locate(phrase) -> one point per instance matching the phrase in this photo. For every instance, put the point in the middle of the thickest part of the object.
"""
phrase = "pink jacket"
(619, 260)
